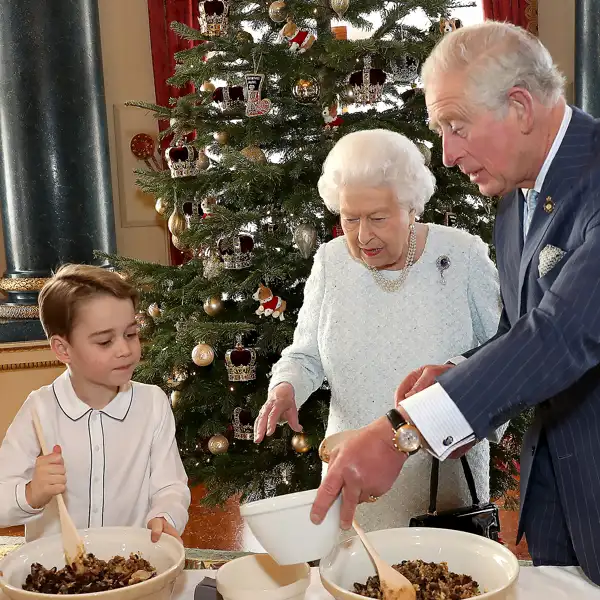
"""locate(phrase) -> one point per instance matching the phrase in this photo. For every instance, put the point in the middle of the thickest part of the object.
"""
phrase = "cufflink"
(448, 441)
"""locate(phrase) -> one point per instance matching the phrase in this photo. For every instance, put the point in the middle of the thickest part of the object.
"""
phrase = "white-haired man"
(497, 100)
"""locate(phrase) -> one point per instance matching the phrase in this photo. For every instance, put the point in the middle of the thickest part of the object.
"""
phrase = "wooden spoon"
(393, 584)
(72, 543)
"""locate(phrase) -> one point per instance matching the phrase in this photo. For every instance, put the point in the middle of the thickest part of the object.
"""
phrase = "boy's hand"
(160, 525)
(49, 479)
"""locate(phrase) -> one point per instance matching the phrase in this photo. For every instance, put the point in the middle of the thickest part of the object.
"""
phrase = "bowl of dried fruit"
(120, 563)
(440, 563)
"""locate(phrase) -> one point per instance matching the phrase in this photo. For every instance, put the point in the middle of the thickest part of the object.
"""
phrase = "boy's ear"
(61, 348)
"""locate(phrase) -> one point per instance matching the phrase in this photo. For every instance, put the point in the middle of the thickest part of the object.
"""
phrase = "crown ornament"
(242, 431)
(241, 362)
(183, 159)
(213, 17)
(367, 85)
(236, 251)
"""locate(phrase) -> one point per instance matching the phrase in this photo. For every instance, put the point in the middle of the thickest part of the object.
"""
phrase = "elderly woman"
(390, 295)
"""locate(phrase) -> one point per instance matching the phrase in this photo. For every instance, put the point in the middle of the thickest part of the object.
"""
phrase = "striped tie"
(530, 201)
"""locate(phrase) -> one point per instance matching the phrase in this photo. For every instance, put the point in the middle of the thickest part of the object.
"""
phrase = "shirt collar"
(75, 409)
(560, 136)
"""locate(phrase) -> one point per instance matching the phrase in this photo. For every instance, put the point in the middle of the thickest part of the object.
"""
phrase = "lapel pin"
(549, 205)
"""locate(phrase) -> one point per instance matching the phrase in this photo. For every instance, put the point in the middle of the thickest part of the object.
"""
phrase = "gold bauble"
(175, 397)
(203, 161)
(207, 86)
(203, 355)
(340, 7)
(176, 222)
(306, 90)
(254, 154)
(178, 243)
(154, 310)
(161, 206)
(278, 11)
(300, 443)
(244, 37)
(218, 444)
(213, 306)
(221, 137)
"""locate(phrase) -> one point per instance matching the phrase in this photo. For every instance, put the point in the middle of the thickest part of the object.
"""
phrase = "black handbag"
(479, 519)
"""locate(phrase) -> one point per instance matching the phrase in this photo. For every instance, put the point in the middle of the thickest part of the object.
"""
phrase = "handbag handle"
(434, 481)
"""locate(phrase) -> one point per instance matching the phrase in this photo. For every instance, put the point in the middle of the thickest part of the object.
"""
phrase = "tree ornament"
(203, 355)
(306, 90)
(340, 32)
(236, 251)
(340, 7)
(207, 86)
(203, 161)
(305, 237)
(218, 444)
(176, 222)
(254, 154)
(213, 17)
(240, 362)
(301, 443)
(449, 25)
(212, 265)
(154, 310)
(183, 160)
(161, 206)
(255, 105)
(213, 306)
(145, 325)
(176, 241)
(221, 137)
(270, 305)
(243, 428)
(278, 11)
(367, 84)
(404, 69)
(299, 40)
(175, 398)
(177, 377)
(231, 97)
(244, 37)
(331, 117)
(207, 205)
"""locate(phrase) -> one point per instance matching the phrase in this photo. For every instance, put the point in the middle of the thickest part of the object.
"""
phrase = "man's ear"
(522, 102)
(61, 348)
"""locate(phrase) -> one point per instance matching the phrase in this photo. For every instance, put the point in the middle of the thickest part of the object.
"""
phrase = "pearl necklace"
(393, 285)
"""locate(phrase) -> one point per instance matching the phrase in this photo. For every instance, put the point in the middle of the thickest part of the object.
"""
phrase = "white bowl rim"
(232, 589)
(105, 594)
(277, 503)
(501, 548)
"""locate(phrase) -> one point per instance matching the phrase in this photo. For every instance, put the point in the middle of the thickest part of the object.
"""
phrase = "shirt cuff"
(456, 360)
(22, 503)
(438, 420)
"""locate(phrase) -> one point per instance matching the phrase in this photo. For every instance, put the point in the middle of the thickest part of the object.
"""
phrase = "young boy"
(114, 456)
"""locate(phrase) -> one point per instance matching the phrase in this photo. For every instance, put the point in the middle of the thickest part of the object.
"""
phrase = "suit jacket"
(547, 351)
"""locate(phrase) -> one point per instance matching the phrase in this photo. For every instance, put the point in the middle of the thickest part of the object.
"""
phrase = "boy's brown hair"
(72, 284)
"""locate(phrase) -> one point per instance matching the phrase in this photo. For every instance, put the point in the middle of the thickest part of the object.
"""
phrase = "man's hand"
(419, 379)
(366, 465)
(280, 406)
(160, 525)
(49, 479)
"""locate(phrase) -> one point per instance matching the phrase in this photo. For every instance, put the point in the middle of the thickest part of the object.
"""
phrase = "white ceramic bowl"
(283, 527)
(259, 577)
(493, 566)
(167, 556)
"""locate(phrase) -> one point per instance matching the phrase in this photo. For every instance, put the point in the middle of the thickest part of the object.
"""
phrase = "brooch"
(443, 264)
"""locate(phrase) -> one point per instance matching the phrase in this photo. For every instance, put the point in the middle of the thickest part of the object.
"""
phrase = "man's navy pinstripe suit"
(547, 354)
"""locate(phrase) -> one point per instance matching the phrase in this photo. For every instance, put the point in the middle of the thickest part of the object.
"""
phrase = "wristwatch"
(406, 436)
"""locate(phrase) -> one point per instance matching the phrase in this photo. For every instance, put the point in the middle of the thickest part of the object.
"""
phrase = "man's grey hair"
(377, 158)
(496, 57)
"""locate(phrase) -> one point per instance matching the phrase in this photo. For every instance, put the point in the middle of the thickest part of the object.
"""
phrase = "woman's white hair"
(495, 57)
(377, 158)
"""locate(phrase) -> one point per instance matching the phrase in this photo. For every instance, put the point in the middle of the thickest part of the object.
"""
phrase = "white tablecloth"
(541, 583)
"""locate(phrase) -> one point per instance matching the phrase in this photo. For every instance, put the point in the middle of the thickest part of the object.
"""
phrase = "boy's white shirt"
(122, 462)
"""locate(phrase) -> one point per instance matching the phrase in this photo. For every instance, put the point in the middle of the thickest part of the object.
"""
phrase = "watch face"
(407, 438)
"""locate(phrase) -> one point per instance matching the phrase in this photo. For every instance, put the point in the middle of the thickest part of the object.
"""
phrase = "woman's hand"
(280, 406)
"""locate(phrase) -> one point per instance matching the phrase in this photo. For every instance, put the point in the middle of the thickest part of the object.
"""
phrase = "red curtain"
(164, 44)
(519, 12)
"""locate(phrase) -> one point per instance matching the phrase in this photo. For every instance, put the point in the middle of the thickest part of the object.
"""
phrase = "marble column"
(55, 186)
(587, 48)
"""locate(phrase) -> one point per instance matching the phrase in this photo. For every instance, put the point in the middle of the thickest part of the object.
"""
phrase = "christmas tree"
(274, 85)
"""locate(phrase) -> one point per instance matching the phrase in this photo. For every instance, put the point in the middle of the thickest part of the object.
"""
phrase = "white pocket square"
(550, 256)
